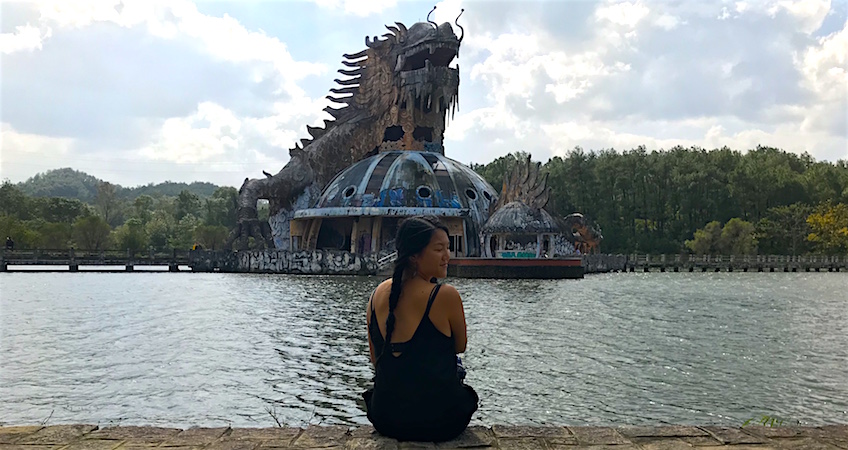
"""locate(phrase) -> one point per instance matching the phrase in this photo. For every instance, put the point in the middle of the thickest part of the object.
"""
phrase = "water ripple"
(219, 349)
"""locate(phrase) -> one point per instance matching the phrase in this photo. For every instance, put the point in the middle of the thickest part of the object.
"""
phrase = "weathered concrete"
(91, 437)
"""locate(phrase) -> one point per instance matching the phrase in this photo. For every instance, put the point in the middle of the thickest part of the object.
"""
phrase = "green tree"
(706, 240)
(738, 237)
(13, 202)
(187, 203)
(24, 236)
(131, 236)
(58, 209)
(143, 208)
(183, 233)
(160, 230)
(53, 235)
(784, 228)
(91, 232)
(107, 203)
(221, 207)
(211, 237)
(829, 228)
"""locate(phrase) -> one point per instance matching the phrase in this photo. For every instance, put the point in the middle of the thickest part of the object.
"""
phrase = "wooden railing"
(83, 257)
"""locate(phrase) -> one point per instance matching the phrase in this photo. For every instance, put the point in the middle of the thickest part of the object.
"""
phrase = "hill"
(70, 183)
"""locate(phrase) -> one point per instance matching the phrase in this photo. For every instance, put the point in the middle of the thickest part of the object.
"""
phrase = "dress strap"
(431, 300)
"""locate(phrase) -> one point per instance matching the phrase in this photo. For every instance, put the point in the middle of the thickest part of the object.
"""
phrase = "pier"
(52, 260)
(737, 263)
(346, 263)
(92, 437)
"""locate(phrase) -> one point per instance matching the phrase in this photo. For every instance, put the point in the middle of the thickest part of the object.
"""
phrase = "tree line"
(111, 221)
(720, 201)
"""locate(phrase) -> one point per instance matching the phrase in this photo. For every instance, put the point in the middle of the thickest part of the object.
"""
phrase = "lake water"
(192, 349)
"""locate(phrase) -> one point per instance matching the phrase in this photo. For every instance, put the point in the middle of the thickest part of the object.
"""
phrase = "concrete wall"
(306, 262)
(604, 263)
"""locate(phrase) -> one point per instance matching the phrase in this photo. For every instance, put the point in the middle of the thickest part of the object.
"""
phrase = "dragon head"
(405, 77)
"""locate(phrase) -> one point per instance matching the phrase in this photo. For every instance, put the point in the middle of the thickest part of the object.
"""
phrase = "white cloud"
(667, 22)
(30, 152)
(25, 38)
(360, 8)
(625, 13)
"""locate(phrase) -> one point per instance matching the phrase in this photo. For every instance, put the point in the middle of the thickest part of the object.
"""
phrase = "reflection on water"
(217, 349)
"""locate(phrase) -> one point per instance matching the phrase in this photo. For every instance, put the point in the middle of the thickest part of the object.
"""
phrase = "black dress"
(417, 395)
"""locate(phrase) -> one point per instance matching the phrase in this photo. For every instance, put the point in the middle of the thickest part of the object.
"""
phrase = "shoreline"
(93, 437)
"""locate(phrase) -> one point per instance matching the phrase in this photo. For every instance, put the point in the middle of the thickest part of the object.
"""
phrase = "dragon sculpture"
(525, 183)
(395, 96)
(582, 233)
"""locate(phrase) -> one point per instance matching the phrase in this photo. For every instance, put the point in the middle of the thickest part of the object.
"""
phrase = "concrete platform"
(92, 437)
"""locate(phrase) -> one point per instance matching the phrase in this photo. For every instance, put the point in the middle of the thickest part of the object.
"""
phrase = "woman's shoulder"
(448, 291)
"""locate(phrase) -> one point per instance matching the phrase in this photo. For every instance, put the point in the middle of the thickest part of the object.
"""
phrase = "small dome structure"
(519, 218)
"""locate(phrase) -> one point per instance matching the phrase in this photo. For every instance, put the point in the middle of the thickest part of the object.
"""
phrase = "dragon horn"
(391, 37)
(372, 44)
(435, 25)
(402, 27)
(460, 26)
(393, 29)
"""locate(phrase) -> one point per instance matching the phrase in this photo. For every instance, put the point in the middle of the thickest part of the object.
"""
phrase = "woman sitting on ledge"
(418, 394)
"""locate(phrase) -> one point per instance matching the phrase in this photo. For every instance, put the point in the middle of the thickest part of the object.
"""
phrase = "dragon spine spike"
(305, 142)
(352, 73)
(337, 100)
(394, 30)
(391, 38)
(335, 112)
(349, 82)
(357, 55)
(315, 132)
(346, 90)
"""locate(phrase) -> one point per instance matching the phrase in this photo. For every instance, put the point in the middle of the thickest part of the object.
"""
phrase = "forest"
(692, 200)
(116, 218)
(681, 200)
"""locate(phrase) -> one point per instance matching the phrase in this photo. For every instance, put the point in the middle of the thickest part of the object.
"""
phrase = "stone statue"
(396, 97)
(584, 235)
(526, 184)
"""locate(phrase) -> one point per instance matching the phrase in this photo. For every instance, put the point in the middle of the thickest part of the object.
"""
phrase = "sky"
(147, 91)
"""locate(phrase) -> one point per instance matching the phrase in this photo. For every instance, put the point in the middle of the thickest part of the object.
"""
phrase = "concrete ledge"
(92, 437)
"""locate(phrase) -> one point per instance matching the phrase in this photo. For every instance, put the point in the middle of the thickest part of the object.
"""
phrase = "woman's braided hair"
(413, 236)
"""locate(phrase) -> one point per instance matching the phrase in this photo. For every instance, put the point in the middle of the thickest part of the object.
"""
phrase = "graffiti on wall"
(306, 262)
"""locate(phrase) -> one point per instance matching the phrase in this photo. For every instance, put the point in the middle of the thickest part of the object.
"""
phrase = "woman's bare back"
(410, 309)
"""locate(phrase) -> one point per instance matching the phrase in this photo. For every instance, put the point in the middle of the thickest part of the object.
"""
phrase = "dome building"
(360, 209)
(516, 230)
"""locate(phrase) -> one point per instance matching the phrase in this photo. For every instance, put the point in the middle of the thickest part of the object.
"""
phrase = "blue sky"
(149, 91)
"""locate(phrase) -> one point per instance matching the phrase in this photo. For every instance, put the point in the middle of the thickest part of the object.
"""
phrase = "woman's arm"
(456, 317)
(368, 330)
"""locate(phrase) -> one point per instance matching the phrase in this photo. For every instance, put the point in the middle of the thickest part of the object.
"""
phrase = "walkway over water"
(90, 437)
(336, 262)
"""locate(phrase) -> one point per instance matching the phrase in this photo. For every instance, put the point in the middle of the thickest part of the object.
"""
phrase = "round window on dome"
(487, 195)
(424, 192)
(348, 193)
(471, 194)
